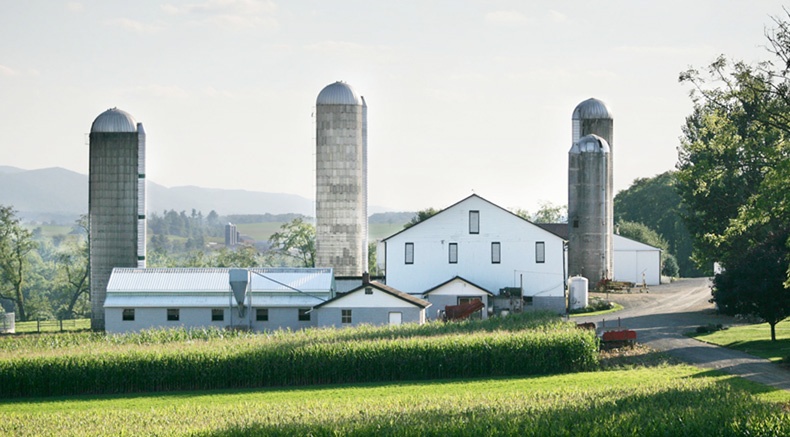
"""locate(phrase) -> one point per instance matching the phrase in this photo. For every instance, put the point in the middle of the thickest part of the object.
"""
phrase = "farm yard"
(525, 375)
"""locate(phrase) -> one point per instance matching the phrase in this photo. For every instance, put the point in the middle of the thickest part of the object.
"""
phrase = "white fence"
(7, 325)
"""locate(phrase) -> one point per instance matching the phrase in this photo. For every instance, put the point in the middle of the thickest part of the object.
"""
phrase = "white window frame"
(496, 252)
(540, 252)
(474, 222)
(409, 253)
(452, 253)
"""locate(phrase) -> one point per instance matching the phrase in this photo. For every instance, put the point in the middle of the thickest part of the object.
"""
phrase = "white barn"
(483, 243)
(371, 303)
(636, 262)
(276, 298)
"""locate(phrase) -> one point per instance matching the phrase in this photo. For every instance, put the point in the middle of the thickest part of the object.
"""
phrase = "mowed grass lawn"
(753, 339)
(646, 401)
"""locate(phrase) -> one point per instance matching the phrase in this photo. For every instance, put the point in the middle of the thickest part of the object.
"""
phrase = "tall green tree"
(732, 175)
(296, 239)
(16, 244)
(656, 203)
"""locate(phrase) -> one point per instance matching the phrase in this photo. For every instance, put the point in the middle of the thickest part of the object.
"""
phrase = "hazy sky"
(463, 96)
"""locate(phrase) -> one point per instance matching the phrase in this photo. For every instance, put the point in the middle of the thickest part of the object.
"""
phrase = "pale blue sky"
(462, 95)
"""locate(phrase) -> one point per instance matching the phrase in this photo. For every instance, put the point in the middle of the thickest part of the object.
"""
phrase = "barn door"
(396, 318)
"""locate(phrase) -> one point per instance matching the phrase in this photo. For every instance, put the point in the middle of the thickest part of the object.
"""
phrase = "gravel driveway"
(666, 312)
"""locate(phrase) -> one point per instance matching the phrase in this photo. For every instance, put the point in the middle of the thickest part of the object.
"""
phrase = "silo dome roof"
(114, 120)
(590, 144)
(338, 93)
(591, 109)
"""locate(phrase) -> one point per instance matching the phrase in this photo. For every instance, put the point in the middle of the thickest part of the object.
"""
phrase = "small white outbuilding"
(636, 262)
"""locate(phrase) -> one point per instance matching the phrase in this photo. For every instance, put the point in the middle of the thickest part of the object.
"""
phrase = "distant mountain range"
(60, 195)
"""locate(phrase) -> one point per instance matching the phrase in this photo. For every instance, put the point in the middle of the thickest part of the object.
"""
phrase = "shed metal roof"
(217, 279)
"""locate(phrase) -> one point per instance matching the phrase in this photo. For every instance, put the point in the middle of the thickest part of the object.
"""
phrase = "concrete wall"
(149, 318)
(371, 316)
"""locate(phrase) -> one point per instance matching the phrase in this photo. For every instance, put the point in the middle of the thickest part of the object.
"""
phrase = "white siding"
(517, 265)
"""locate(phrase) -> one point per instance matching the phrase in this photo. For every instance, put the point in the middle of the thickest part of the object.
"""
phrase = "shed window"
(409, 253)
(128, 314)
(496, 252)
(304, 314)
(474, 222)
(540, 252)
(262, 315)
(345, 316)
(453, 253)
(217, 315)
(173, 314)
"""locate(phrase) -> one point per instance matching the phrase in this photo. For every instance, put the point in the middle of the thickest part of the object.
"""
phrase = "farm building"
(371, 303)
(631, 258)
(484, 243)
(636, 262)
(271, 298)
(457, 291)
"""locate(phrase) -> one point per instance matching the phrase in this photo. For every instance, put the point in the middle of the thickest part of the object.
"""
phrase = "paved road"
(661, 316)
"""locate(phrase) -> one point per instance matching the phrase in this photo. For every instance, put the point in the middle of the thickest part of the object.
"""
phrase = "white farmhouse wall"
(517, 238)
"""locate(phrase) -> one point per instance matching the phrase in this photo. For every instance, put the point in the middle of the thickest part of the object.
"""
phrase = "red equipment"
(462, 311)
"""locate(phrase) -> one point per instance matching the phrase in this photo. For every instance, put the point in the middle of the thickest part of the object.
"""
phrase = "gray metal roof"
(217, 279)
(114, 120)
(590, 144)
(338, 93)
(591, 109)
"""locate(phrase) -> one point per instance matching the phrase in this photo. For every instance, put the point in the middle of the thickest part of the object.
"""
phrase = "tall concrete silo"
(592, 116)
(590, 230)
(341, 180)
(116, 202)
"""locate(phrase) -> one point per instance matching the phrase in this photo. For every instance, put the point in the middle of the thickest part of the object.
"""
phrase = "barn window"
(304, 314)
(173, 314)
(540, 252)
(217, 315)
(409, 253)
(496, 252)
(368, 290)
(128, 314)
(453, 253)
(345, 316)
(474, 222)
(527, 301)
(262, 315)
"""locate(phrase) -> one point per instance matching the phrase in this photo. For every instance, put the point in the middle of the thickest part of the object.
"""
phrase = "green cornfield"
(153, 361)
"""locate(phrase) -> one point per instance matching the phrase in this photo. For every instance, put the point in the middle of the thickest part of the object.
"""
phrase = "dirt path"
(663, 315)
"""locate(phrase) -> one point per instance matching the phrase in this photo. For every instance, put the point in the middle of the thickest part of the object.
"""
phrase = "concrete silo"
(116, 202)
(593, 117)
(341, 180)
(590, 230)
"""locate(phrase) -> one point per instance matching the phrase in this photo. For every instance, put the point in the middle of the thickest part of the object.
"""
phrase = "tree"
(547, 213)
(420, 216)
(73, 266)
(656, 203)
(733, 173)
(296, 239)
(16, 243)
(754, 283)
